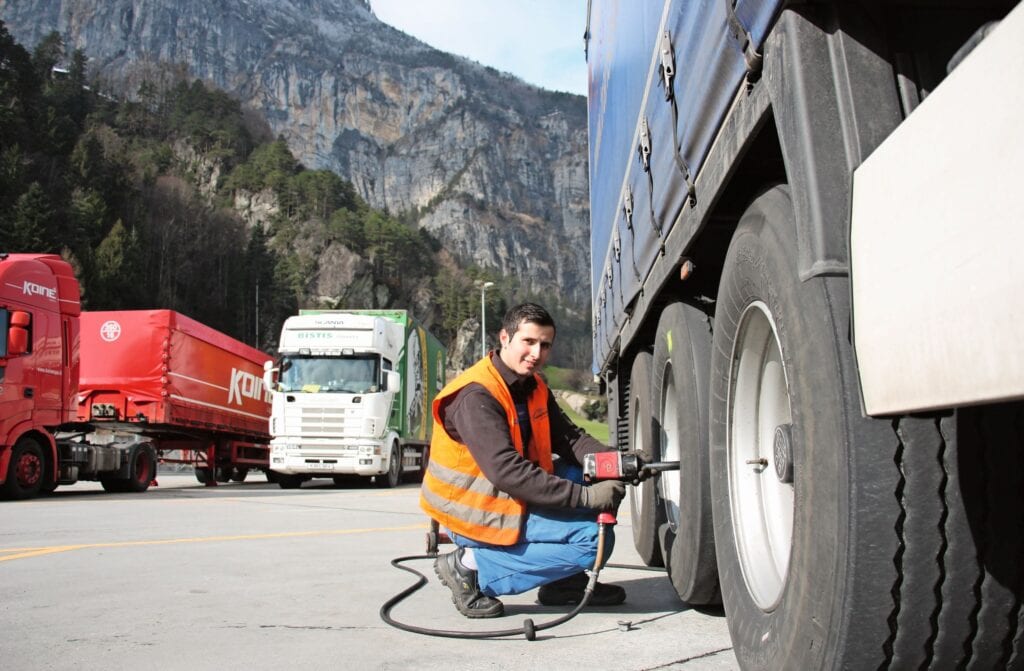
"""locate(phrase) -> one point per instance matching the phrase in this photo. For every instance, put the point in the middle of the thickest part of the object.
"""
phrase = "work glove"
(604, 495)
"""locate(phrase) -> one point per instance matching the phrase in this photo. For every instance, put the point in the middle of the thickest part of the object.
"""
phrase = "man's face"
(526, 351)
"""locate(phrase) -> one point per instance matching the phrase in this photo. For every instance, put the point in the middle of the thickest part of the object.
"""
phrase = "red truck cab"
(39, 308)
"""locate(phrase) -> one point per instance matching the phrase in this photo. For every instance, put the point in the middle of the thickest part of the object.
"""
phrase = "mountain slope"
(494, 168)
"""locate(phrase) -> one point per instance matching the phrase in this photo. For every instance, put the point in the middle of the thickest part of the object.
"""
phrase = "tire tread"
(958, 586)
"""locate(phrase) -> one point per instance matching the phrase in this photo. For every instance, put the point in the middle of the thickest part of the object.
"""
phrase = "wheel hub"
(782, 449)
(670, 449)
(29, 470)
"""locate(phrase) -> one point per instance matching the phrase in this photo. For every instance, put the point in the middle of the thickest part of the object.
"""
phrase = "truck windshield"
(350, 374)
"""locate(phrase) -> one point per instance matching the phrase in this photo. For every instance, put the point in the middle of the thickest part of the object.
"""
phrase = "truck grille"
(326, 422)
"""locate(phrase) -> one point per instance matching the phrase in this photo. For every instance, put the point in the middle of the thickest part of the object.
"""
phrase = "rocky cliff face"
(494, 168)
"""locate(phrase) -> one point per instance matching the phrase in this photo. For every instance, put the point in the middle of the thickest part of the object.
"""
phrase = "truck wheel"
(25, 471)
(681, 367)
(113, 485)
(779, 445)
(647, 513)
(780, 451)
(289, 480)
(845, 541)
(142, 468)
(203, 474)
(239, 474)
(424, 463)
(224, 473)
(394, 474)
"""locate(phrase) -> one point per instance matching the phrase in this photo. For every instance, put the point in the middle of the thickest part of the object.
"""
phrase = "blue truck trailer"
(805, 230)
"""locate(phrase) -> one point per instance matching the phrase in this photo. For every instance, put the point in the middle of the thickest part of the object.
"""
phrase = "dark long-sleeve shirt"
(475, 418)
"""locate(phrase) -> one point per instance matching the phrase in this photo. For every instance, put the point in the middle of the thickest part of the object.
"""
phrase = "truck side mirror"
(268, 374)
(17, 334)
(392, 380)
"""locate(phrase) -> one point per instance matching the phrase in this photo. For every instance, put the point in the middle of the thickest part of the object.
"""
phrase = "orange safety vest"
(455, 491)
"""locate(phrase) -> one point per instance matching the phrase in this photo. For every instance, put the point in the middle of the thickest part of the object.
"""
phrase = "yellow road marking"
(25, 553)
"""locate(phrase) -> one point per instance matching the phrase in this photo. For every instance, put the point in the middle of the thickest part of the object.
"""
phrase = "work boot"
(570, 591)
(466, 594)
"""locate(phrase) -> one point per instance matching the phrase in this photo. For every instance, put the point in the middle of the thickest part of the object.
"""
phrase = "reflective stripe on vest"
(455, 491)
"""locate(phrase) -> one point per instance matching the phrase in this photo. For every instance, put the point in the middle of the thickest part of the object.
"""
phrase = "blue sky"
(539, 41)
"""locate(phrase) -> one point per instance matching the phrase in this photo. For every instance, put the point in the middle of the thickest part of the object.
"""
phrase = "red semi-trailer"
(105, 395)
(169, 377)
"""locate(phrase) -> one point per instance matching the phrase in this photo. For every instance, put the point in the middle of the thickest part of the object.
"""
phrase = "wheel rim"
(29, 469)
(670, 448)
(143, 467)
(395, 467)
(761, 503)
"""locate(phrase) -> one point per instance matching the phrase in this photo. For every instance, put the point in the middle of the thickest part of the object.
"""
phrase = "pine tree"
(18, 90)
(119, 279)
(31, 223)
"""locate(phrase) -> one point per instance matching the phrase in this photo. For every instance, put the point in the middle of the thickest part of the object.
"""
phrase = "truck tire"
(203, 474)
(25, 471)
(113, 485)
(845, 541)
(289, 480)
(783, 522)
(682, 356)
(239, 474)
(141, 469)
(394, 474)
(421, 472)
(646, 509)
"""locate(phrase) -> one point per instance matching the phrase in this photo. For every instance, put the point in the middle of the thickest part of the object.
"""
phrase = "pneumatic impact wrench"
(628, 467)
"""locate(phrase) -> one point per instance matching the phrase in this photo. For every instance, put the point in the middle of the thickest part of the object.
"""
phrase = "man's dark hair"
(530, 313)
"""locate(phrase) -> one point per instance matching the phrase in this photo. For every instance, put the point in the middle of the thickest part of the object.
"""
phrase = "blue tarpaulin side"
(626, 89)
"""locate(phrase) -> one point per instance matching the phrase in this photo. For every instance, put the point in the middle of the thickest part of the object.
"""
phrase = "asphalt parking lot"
(249, 575)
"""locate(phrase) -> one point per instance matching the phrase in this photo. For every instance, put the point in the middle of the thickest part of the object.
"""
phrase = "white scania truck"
(352, 392)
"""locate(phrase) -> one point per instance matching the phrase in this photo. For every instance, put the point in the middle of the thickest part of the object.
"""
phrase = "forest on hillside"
(115, 187)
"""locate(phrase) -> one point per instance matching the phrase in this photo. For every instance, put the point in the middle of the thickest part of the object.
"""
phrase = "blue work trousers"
(556, 543)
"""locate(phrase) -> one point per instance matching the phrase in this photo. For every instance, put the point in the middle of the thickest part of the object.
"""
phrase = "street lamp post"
(483, 317)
